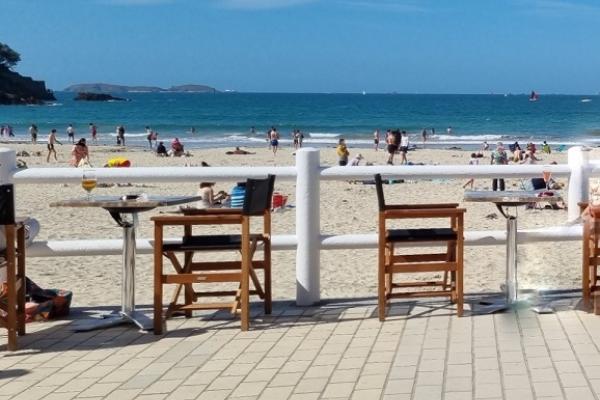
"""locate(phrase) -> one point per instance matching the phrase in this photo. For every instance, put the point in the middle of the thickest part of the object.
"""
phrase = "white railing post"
(308, 228)
(8, 164)
(579, 185)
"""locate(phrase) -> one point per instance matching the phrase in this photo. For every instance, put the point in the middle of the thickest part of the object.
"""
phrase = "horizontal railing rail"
(74, 248)
(308, 240)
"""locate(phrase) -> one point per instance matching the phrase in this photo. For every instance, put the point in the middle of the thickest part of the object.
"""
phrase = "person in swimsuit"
(79, 153)
(71, 133)
(376, 139)
(33, 131)
(403, 148)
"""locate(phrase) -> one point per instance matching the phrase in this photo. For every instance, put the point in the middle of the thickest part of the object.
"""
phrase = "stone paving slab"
(338, 350)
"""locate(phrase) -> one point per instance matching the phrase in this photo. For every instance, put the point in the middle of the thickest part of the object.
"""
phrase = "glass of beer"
(88, 182)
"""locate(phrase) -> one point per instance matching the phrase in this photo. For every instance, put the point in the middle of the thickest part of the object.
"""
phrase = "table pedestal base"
(113, 319)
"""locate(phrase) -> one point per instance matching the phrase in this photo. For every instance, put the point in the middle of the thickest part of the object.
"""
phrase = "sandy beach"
(346, 208)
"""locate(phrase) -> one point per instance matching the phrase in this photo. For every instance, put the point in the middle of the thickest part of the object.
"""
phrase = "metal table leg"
(127, 313)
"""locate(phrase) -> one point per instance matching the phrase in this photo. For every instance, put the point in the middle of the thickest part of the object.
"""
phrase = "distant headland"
(15, 88)
(110, 88)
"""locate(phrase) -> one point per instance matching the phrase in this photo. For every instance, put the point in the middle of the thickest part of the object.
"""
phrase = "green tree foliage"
(8, 57)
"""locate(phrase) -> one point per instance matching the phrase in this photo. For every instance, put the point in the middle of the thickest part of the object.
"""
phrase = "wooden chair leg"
(267, 272)
(381, 296)
(20, 276)
(585, 266)
(158, 279)
(11, 281)
(460, 270)
(245, 284)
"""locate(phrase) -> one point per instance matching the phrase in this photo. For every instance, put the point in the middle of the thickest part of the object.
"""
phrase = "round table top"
(129, 203)
(512, 198)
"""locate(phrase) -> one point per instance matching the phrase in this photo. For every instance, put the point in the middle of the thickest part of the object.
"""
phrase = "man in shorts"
(33, 131)
(274, 137)
(71, 133)
(392, 145)
(51, 141)
(376, 139)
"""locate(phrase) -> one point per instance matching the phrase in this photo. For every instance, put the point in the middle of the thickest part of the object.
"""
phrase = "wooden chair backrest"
(258, 195)
(379, 187)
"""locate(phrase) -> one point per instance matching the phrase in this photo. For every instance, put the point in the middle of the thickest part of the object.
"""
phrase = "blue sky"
(409, 46)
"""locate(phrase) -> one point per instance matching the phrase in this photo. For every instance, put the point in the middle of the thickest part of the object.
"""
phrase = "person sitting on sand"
(209, 200)
(80, 154)
(342, 152)
(238, 151)
(176, 148)
(161, 150)
(355, 162)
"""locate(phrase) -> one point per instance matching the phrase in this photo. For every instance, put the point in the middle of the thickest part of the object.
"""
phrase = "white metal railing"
(308, 173)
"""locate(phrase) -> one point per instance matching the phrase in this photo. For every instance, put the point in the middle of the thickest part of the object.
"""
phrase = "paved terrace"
(338, 350)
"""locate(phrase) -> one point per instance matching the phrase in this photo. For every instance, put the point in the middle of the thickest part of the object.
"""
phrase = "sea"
(203, 120)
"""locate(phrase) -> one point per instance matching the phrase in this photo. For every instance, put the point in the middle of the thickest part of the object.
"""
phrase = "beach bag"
(45, 304)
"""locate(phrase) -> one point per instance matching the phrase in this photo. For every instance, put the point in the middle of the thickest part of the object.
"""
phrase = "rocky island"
(110, 88)
(18, 89)
(88, 96)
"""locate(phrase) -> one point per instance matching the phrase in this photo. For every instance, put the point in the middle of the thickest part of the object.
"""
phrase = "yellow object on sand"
(118, 162)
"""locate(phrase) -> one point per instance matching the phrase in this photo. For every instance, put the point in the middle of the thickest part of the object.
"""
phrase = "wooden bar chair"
(12, 292)
(591, 255)
(257, 203)
(449, 262)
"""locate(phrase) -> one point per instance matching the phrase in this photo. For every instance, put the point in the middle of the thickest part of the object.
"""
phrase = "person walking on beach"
(71, 133)
(297, 140)
(392, 140)
(403, 148)
(149, 136)
(342, 152)
(94, 132)
(424, 136)
(376, 138)
(274, 140)
(121, 135)
(51, 141)
(499, 157)
(33, 131)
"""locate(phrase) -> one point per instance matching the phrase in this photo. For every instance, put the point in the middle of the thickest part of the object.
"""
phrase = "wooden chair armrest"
(424, 213)
(420, 206)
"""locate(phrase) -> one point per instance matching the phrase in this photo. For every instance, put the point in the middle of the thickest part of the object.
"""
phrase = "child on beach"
(473, 161)
(342, 152)
(209, 200)
(376, 139)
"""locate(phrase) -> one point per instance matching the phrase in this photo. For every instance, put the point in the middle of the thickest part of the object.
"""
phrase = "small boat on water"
(586, 100)
(534, 96)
